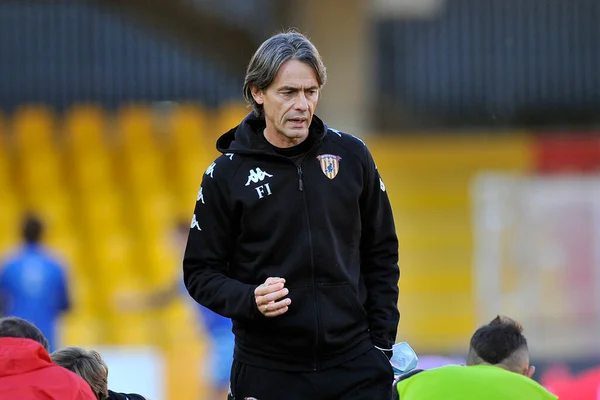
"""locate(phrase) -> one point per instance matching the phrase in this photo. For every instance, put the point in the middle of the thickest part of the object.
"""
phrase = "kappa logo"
(200, 196)
(211, 169)
(195, 223)
(258, 175)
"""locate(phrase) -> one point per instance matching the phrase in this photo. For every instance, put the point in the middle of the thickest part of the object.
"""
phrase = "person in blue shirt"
(33, 284)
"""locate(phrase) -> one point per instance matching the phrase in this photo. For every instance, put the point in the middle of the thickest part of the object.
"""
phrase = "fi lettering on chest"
(259, 178)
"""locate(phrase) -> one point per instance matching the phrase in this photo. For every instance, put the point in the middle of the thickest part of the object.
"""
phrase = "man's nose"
(301, 102)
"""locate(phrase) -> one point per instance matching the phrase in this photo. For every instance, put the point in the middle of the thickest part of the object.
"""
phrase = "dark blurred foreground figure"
(33, 283)
(90, 366)
(26, 371)
(497, 369)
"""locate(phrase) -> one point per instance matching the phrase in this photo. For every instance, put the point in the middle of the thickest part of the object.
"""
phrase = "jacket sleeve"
(379, 259)
(209, 247)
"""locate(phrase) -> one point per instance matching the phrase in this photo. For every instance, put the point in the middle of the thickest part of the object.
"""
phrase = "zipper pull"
(300, 182)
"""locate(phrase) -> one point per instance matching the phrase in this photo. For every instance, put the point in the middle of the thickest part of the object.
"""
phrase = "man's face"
(289, 103)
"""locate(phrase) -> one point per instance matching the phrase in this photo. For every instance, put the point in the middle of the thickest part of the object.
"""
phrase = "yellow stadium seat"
(33, 128)
(136, 128)
(189, 126)
(230, 116)
(4, 153)
(115, 248)
(87, 158)
(5, 179)
(100, 214)
(138, 153)
(10, 222)
(65, 245)
(154, 207)
(82, 289)
(92, 175)
(192, 150)
(143, 169)
(116, 278)
(41, 173)
(164, 266)
(113, 259)
(132, 329)
(116, 273)
(85, 128)
(9, 212)
(54, 206)
(81, 329)
(38, 162)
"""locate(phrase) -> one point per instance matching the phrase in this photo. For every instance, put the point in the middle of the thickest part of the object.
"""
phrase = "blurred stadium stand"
(111, 187)
(111, 109)
(61, 52)
(491, 63)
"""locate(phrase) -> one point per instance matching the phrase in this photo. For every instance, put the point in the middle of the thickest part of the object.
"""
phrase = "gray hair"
(89, 365)
(269, 57)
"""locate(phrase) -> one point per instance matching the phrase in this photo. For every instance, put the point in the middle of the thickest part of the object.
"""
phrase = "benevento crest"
(330, 164)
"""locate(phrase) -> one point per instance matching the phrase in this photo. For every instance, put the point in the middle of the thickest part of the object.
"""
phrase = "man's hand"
(268, 295)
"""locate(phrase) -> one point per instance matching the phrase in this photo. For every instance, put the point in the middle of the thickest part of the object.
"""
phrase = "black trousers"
(367, 377)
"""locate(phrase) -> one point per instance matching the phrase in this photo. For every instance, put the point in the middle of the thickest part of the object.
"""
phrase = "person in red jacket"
(26, 371)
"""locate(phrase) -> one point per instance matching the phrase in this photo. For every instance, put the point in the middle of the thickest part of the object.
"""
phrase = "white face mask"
(404, 359)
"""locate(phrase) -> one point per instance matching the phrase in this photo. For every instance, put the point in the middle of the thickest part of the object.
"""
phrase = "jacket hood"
(245, 138)
(19, 356)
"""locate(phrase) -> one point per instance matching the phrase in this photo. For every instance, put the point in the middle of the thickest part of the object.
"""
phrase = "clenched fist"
(268, 297)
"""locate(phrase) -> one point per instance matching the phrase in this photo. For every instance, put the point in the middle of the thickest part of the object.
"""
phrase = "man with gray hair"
(90, 366)
(293, 238)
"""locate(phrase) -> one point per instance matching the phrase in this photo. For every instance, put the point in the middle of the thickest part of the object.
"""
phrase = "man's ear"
(257, 95)
(529, 371)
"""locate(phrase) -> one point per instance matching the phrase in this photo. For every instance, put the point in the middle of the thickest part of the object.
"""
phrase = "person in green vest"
(497, 369)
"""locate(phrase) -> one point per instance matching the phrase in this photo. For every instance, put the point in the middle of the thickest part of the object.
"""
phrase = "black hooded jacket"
(322, 220)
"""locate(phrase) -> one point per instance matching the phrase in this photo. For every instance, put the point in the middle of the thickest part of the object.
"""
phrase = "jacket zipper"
(300, 180)
(312, 267)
